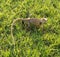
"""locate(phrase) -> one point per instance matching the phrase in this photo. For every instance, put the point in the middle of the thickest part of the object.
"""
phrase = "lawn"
(44, 42)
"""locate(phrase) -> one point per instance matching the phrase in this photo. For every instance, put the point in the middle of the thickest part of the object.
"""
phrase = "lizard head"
(43, 20)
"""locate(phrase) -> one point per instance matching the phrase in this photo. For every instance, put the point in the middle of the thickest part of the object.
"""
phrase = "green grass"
(35, 44)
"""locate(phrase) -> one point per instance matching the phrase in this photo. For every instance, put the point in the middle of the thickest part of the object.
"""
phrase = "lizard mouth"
(46, 19)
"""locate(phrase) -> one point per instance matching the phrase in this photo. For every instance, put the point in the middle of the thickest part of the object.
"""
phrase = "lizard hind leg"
(23, 25)
(28, 27)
